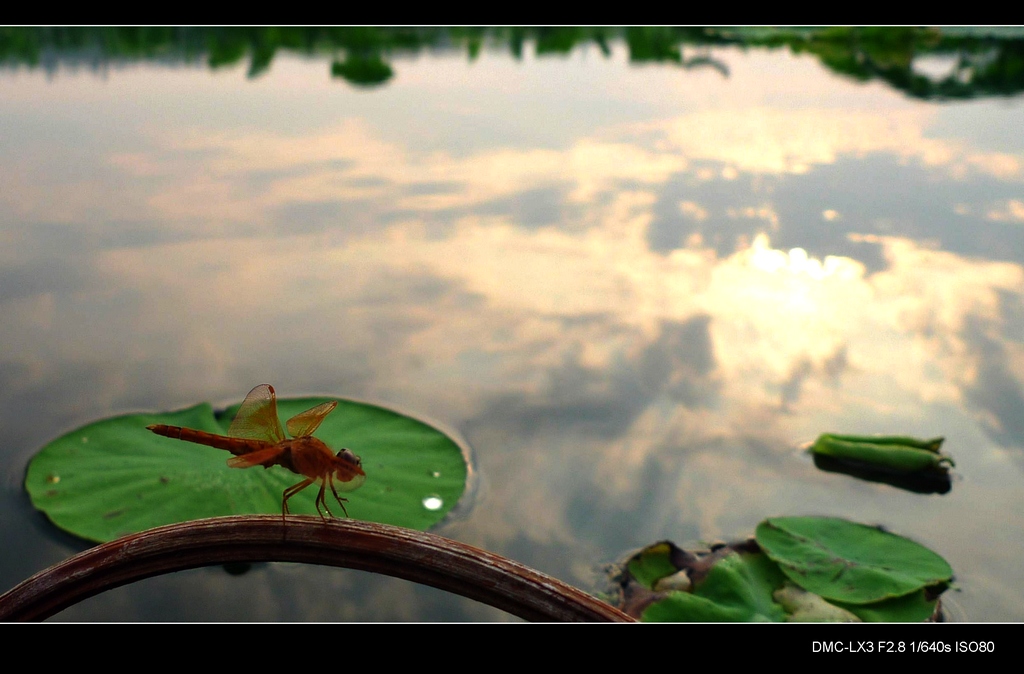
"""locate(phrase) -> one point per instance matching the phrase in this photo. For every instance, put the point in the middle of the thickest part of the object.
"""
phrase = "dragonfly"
(256, 438)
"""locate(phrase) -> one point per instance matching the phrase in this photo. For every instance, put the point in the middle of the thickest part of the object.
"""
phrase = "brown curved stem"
(413, 555)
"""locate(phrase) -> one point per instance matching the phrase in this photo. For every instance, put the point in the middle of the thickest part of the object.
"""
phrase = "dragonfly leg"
(292, 491)
(320, 501)
(340, 500)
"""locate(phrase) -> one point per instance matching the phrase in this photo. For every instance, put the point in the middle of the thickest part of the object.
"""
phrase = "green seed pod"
(930, 444)
(895, 457)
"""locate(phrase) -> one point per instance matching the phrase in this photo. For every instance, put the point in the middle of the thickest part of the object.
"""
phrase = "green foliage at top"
(362, 70)
(113, 477)
(985, 61)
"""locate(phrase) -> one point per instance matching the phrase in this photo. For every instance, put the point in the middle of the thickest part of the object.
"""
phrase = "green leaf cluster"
(737, 589)
(801, 569)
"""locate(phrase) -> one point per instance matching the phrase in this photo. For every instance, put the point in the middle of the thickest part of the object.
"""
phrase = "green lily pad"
(849, 562)
(114, 477)
(738, 588)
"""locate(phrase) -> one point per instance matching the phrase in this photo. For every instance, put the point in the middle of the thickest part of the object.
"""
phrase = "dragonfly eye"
(347, 455)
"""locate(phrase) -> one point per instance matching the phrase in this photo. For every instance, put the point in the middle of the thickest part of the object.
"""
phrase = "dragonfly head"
(349, 463)
(348, 471)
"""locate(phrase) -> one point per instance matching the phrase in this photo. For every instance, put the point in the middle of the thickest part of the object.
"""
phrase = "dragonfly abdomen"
(237, 446)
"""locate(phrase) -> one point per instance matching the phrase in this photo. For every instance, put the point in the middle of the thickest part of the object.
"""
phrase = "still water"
(635, 290)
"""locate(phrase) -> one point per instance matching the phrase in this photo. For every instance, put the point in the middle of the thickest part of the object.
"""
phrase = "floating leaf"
(652, 564)
(114, 477)
(738, 588)
(849, 562)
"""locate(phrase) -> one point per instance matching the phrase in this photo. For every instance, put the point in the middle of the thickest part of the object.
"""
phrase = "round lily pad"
(114, 477)
(849, 562)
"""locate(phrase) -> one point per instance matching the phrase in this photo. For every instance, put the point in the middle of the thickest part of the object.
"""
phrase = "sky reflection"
(635, 320)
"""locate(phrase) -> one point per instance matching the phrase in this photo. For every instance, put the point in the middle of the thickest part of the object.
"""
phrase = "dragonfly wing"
(257, 417)
(305, 423)
(257, 458)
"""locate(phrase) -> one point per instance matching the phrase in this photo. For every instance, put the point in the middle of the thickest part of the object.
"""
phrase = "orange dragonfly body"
(257, 439)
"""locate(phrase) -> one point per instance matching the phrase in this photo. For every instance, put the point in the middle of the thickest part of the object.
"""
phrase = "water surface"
(635, 289)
